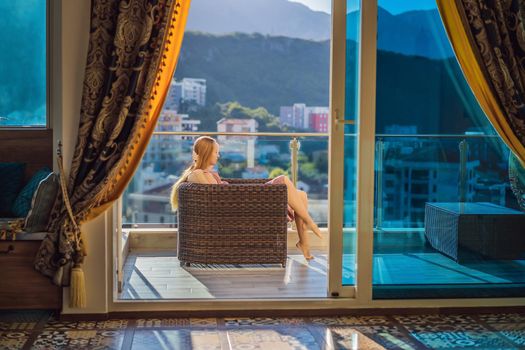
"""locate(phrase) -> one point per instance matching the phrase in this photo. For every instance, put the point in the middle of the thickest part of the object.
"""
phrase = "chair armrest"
(246, 181)
(244, 200)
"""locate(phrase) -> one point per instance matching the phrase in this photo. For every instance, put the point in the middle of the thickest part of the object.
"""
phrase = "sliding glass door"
(347, 170)
(446, 221)
(401, 154)
(420, 174)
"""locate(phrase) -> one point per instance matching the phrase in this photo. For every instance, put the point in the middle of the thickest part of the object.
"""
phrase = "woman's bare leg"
(303, 245)
(295, 201)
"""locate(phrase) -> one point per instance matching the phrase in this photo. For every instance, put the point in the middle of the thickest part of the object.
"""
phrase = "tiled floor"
(40, 330)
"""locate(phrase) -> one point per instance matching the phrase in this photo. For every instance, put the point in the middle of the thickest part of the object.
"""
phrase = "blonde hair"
(202, 152)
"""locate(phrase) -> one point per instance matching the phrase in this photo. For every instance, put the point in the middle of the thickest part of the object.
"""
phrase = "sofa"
(22, 229)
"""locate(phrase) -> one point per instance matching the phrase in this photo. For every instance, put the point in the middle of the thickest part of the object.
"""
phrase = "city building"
(301, 116)
(174, 97)
(318, 118)
(190, 90)
(407, 185)
(286, 115)
(194, 90)
(166, 151)
(238, 146)
(170, 120)
(236, 126)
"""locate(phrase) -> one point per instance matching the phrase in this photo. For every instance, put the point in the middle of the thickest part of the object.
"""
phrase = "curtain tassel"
(77, 290)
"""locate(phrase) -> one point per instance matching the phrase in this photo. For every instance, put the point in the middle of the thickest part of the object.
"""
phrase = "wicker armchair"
(244, 222)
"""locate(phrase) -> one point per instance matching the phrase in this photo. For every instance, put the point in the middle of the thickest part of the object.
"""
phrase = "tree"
(267, 122)
(277, 172)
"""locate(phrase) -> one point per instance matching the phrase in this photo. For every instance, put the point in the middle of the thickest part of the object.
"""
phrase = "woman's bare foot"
(305, 251)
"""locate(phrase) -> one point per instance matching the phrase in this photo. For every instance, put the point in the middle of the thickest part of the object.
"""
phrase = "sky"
(392, 6)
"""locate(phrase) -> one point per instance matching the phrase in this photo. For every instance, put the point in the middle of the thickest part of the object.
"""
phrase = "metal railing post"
(295, 145)
(294, 152)
(463, 158)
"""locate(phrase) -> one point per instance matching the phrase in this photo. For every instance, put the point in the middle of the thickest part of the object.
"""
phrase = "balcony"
(410, 171)
(151, 269)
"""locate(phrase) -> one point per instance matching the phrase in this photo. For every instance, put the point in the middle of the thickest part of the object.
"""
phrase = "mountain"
(417, 33)
(257, 70)
(263, 71)
(271, 17)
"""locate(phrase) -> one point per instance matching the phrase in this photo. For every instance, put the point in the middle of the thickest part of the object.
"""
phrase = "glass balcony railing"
(301, 156)
(414, 169)
(410, 171)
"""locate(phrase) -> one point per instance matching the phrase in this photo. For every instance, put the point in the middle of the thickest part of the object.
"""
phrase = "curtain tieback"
(77, 293)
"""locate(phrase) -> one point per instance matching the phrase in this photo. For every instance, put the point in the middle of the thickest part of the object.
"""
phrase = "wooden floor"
(158, 275)
(400, 259)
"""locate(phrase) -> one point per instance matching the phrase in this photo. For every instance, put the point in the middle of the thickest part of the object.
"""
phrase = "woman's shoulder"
(198, 175)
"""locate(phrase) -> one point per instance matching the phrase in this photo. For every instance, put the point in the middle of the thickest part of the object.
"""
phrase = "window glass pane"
(353, 23)
(437, 159)
(23, 77)
(245, 66)
(253, 59)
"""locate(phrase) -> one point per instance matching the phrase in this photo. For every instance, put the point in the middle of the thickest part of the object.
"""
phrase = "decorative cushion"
(42, 203)
(22, 203)
(11, 180)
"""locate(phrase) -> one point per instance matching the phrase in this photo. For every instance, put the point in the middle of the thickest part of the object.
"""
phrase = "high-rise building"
(187, 90)
(302, 117)
(299, 116)
(163, 149)
(317, 118)
(174, 97)
(194, 90)
(286, 115)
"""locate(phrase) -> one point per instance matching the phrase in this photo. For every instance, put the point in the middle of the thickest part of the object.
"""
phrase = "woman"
(205, 156)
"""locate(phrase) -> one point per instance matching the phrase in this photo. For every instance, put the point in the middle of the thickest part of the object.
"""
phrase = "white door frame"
(362, 289)
(360, 295)
(336, 152)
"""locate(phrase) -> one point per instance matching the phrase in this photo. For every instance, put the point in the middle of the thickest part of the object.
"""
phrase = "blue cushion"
(22, 203)
(42, 204)
(11, 180)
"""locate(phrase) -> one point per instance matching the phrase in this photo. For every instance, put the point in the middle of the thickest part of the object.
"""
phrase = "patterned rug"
(41, 330)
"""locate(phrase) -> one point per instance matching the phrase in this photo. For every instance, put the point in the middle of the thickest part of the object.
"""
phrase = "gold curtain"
(163, 79)
(133, 50)
(488, 40)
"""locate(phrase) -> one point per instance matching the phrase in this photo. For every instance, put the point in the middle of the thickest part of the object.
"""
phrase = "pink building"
(319, 121)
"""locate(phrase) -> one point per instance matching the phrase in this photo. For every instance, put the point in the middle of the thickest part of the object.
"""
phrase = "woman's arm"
(201, 177)
(218, 178)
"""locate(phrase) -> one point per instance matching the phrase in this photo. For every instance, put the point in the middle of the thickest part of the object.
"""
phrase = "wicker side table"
(491, 230)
